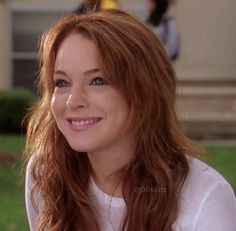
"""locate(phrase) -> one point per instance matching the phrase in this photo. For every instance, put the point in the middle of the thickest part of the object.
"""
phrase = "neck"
(106, 163)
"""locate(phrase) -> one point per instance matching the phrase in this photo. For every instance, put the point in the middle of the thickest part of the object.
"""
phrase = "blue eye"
(98, 81)
(61, 83)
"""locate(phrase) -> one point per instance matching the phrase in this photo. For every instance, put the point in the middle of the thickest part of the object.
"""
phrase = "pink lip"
(82, 123)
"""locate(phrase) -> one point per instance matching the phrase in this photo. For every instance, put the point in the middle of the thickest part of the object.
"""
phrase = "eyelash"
(59, 82)
(95, 80)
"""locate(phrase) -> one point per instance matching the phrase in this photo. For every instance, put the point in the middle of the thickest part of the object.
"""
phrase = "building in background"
(206, 68)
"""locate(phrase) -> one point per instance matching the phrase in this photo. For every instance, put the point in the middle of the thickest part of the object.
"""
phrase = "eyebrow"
(88, 72)
(94, 70)
(59, 72)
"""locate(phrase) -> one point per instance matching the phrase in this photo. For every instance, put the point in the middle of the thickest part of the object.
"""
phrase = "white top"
(207, 203)
(168, 33)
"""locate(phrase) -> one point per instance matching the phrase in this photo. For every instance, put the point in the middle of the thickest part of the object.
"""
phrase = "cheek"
(117, 107)
(57, 105)
(53, 105)
(151, 6)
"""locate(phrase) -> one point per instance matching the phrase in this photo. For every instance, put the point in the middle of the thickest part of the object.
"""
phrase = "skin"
(90, 113)
(90, 3)
(151, 5)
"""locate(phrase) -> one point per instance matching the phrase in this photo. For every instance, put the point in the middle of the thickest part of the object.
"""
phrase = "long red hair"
(138, 67)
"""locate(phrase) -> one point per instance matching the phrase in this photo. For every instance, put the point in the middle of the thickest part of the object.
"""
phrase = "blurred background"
(206, 70)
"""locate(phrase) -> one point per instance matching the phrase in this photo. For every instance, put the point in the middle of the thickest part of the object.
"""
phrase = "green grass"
(12, 207)
(12, 143)
(223, 159)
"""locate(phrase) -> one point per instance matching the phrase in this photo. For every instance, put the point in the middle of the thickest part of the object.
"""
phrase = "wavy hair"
(138, 67)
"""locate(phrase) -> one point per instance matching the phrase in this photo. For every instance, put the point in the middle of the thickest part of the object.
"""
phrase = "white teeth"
(83, 122)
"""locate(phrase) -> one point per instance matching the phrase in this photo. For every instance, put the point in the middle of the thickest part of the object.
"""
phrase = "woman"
(164, 27)
(109, 151)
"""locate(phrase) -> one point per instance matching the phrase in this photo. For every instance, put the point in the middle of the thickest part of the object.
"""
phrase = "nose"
(77, 99)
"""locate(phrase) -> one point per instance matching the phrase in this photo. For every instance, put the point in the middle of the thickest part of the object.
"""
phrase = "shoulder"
(207, 201)
(30, 164)
(31, 171)
(202, 174)
(28, 174)
(32, 212)
(172, 26)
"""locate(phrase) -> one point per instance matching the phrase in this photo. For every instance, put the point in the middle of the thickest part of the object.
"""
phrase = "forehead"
(77, 51)
(76, 43)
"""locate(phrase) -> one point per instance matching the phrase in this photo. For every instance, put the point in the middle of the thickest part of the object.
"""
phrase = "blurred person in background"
(172, 2)
(164, 26)
(89, 5)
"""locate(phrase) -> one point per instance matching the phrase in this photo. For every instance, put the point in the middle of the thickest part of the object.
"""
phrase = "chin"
(78, 148)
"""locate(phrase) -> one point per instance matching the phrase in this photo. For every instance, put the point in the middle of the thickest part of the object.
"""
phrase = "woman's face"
(91, 114)
(90, 3)
(151, 5)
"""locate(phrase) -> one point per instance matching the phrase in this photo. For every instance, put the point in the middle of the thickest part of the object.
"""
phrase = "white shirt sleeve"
(172, 45)
(207, 201)
(31, 212)
(218, 210)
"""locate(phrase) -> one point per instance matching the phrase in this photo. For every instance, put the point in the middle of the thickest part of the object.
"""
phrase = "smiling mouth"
(82, 124)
